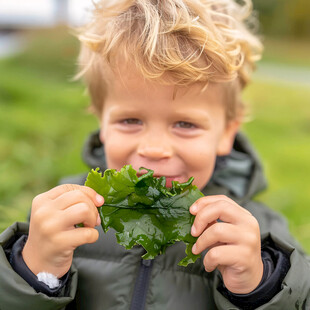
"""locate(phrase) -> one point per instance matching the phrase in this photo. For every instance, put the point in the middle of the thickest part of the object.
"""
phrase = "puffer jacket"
(106, 276)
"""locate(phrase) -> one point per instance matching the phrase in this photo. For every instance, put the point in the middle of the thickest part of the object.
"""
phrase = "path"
(283, 73)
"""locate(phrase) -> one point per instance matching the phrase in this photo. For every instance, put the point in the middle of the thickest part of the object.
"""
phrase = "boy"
(165, 80)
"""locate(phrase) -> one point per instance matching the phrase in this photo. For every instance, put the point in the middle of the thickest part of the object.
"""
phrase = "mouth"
(169, 178)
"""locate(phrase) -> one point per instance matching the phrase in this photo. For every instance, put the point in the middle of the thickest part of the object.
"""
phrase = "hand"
(233, 243)
(52, 234)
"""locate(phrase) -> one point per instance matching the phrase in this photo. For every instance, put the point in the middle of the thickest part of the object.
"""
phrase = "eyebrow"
(122, 110)
(193, 116)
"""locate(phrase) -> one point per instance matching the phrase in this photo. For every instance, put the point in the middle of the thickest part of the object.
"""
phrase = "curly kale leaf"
(142, 210)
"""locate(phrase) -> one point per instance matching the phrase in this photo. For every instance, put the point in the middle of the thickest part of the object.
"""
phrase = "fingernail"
(99, 199)
(193, 230)
(194, 249)
(98, 220)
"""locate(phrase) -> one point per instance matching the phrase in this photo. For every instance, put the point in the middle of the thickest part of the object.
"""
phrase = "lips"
(169, 178)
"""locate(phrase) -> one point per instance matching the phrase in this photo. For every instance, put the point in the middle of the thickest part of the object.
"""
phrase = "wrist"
(253, 281)
(276, 265)
(38, 265)
(19, 266)
(257, 278)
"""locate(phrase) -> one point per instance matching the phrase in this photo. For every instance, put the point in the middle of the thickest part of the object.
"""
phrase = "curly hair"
(177, 42)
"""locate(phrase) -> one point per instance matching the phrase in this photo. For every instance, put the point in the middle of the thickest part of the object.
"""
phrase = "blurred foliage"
(288, 51)
(44, 122)
(280, 131)
(284, 18)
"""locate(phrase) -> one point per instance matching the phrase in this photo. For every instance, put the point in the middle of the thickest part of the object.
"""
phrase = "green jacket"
(104, 274)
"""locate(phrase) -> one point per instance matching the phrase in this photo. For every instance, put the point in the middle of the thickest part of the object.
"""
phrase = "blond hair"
(177, 42)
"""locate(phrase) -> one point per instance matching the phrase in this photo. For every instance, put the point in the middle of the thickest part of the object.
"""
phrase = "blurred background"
(44, 120)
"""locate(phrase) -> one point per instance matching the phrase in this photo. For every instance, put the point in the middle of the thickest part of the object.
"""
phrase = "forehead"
(127, 83)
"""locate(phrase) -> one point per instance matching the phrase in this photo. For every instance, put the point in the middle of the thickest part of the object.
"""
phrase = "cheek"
(117, 150)
(200, 161)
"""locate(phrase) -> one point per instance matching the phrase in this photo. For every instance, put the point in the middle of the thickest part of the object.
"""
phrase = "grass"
(44, 122)
(280, 132)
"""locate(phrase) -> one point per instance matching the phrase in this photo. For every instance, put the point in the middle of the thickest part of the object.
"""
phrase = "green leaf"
(142, 210)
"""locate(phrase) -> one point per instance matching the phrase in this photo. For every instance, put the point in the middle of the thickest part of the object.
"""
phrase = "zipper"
(142, 285)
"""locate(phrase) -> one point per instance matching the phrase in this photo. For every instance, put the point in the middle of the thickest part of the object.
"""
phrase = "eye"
(185, 125)
(131, 121)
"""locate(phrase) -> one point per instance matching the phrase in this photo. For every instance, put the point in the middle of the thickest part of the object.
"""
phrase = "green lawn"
(44, 122)
(280, 130)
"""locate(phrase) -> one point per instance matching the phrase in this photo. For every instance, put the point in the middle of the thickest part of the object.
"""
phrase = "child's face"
(178, 138)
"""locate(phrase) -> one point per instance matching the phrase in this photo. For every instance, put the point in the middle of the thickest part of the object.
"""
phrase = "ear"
(228, 137)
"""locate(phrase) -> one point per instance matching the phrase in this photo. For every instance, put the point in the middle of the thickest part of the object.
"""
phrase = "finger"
(80, 213)
(222, 255)
(194, 230)
(219, 233)
(69, 199)
(206, 200)
(77, 196)
(79, 236)
(57, 191)
(220, 210)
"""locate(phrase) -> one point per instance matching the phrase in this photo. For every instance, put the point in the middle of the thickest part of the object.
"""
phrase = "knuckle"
(39, 216)
(223, 200)
(227, 207)
(248, 213)
(91, 235)
(223, 197)
(79, 195)
(252, 239)
(70, 187)
(88, 234)
(212, 255)
(253, 221)
(200, 201)
(36, 202)
(218, 230)
(83, 209)
(47, 229)
(88, 189)
(202, 216)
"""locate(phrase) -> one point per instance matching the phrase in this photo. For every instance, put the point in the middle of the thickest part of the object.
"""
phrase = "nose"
(155, 146)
